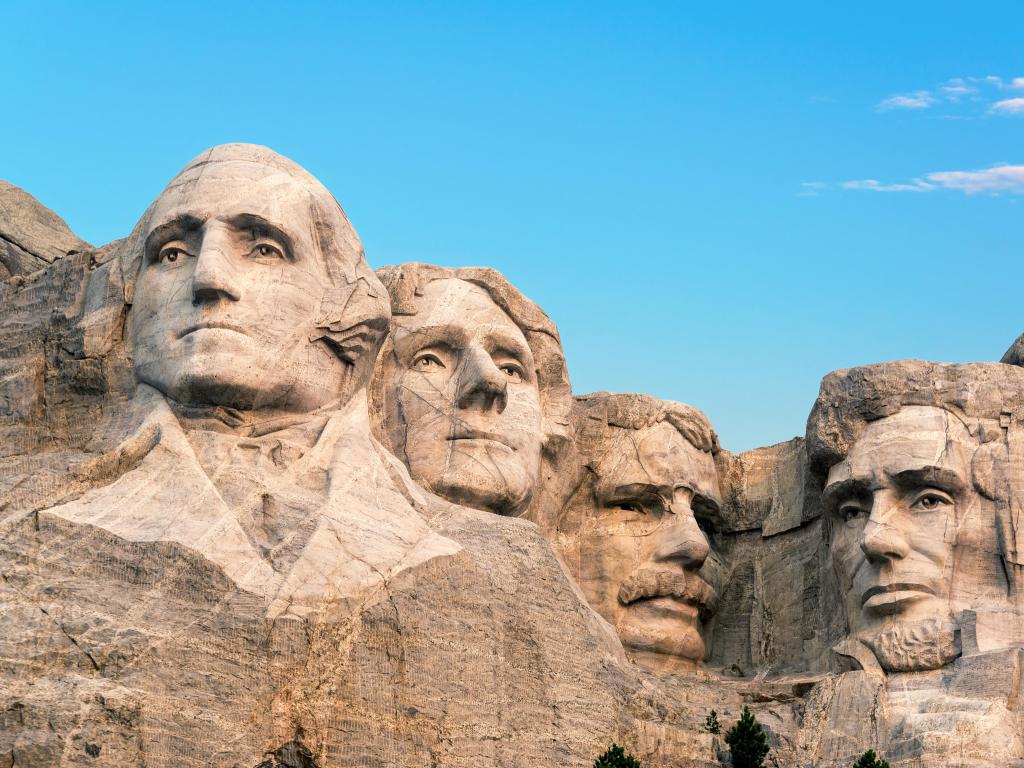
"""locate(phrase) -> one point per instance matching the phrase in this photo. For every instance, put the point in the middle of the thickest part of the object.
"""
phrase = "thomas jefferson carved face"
(646, 543)
(896, 505)
(229, 291)
(469, 411)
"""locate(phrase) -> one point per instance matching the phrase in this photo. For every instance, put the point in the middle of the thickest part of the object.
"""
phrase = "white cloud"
(1009, 106)
(964, 94)
(994, 180)
(999, 178)
(876, 186)
(956, 88)
(915, 100)
(811, 188)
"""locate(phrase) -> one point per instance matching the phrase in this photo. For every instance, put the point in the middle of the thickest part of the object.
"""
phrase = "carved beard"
(916, 646)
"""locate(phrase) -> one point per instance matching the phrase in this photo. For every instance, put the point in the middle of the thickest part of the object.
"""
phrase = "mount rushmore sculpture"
(263, 506)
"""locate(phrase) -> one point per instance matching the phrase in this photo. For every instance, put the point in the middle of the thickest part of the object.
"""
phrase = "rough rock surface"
(31, 235)
(222, 553)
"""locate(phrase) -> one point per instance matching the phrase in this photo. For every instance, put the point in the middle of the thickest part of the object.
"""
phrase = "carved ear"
(353, 320)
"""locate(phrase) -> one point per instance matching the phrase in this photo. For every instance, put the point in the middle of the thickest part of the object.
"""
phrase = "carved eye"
(932, 500)
(427, 362)
(266, 250)
(850, 512)
(512, 370)
(632, 507)
(170, 254)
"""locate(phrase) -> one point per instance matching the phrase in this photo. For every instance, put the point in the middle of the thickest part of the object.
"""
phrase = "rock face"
(260, 506)
(31, 235)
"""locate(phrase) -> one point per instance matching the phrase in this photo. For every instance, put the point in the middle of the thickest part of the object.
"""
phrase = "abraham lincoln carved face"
(897, 503)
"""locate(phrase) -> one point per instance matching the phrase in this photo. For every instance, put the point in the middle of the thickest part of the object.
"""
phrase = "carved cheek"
(425, 398)
(846, 551)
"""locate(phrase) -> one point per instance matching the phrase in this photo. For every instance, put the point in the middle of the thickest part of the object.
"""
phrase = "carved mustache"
(685, 586)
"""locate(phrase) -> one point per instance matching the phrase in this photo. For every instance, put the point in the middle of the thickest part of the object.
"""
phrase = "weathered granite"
(31, 235)
(232, 534)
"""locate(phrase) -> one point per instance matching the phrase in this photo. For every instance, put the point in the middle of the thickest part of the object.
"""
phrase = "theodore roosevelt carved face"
(641, 537)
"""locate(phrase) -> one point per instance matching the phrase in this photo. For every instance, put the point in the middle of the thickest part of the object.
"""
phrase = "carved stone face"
(897, 503)
(652, 528)
(465, 385)
(228, 293)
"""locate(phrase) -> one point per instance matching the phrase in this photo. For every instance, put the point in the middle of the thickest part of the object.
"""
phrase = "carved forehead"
(234, 180)
(452, 302)
(229, 188)
(914, 438)
(656, 455)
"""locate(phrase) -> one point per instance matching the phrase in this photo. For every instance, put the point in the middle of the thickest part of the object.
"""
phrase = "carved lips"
(888, 598)
(463, 432)
(211, 325)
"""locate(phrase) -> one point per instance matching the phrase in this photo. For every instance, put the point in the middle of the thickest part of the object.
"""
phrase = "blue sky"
(717, 203)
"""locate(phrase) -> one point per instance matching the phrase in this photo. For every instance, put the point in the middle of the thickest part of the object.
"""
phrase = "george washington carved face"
(229, 296)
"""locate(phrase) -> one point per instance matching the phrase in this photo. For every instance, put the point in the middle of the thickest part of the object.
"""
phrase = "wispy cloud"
(915, 185)
(811, 188)
(915, 100)
(1009, 106)
(957, 88)
(964, 94)
(995, 180)
(999, 178)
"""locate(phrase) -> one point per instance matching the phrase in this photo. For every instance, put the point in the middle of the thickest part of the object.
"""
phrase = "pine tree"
(616, 757)
(711, 724)
(747, 742)
(870, 760)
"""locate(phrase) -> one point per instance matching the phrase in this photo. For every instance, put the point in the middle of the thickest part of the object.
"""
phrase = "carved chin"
(482, 490)
(476, 480)
(205, 380)
(681, 640)
(916, 646)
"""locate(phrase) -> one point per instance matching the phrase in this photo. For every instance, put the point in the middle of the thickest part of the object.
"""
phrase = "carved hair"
(639, 411)
(987, 398)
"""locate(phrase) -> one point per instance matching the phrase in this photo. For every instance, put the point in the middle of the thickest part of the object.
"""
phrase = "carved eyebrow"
(263, 228)
(510, 345)
(938, 477)
(638, 489)
(633, 491)
(843, 489)
(429, 336)
(179, 226)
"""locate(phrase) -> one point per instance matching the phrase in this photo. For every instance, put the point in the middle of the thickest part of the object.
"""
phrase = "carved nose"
(681, 539)
(481, 384)
(214, 278)
(882, 540)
